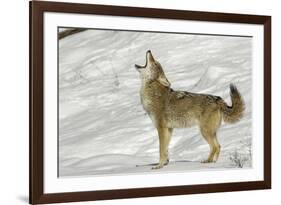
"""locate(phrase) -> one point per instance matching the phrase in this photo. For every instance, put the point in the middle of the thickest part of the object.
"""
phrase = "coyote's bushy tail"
(233, 113)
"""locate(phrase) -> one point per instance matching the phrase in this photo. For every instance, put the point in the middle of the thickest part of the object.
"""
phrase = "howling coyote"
(169, 109)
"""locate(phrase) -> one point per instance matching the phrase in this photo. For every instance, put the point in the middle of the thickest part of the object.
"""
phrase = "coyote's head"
(152, 71)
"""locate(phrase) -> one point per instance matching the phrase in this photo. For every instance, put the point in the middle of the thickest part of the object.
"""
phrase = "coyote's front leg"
(164, 139)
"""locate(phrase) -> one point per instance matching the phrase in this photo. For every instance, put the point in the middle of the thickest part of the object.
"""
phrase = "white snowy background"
(103, 128)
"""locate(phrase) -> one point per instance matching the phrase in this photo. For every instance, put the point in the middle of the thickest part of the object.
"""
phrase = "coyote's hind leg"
(208, 130)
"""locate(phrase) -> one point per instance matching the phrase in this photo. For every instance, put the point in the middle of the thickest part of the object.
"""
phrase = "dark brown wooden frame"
(37, 9)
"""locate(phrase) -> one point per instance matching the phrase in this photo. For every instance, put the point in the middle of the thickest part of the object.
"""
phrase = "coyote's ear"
(163, 80)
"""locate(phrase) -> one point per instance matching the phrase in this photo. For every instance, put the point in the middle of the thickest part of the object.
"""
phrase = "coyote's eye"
(154, 64)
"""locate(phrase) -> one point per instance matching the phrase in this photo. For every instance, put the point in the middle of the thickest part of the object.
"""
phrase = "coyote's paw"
(159, 166)
(207, 161)
(167, 162)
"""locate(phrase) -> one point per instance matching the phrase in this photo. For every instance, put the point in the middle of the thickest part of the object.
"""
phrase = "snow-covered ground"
(103, 128)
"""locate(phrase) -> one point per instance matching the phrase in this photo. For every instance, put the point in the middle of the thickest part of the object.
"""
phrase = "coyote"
(169, 109)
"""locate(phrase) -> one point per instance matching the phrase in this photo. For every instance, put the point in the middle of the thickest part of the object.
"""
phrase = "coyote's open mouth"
(149, 57)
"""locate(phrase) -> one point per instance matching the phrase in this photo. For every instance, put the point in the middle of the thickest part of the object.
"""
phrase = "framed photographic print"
(139, 102)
